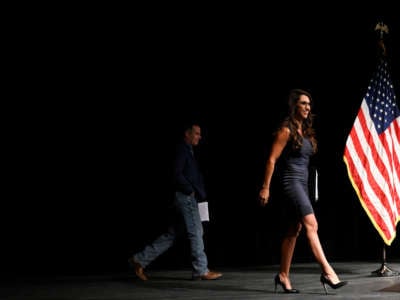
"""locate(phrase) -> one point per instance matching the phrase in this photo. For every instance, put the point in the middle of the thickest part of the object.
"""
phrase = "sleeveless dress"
(294, 179)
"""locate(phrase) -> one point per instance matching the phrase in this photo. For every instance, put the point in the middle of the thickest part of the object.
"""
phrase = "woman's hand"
(264, 196)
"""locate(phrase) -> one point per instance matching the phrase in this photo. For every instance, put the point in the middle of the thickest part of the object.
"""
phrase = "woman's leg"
(311, 226)
(287, 250)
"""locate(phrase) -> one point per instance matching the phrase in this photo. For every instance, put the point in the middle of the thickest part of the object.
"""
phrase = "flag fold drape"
(372, 154)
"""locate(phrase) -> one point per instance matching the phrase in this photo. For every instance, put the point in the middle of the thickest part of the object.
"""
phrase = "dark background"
(94, 115)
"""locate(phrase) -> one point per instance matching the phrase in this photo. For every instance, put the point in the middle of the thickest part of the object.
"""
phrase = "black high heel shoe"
(286, 290)
(325, 281)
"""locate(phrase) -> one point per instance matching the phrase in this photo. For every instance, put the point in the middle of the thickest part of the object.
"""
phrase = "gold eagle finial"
(381, 30)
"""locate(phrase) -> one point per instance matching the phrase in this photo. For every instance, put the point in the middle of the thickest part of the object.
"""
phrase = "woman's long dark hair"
(307, 125)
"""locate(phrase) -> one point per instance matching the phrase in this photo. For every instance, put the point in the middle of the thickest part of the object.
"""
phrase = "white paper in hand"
(203, 210)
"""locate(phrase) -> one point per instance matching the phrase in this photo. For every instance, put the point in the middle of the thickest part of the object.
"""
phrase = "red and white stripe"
(373, 165)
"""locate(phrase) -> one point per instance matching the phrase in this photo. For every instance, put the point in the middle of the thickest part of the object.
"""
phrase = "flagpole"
(384, 271)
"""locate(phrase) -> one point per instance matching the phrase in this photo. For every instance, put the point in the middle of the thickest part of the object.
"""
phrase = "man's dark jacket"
(187, 176)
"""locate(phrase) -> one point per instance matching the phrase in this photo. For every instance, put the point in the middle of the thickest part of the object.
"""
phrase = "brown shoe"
(139, 271)
(208, 276)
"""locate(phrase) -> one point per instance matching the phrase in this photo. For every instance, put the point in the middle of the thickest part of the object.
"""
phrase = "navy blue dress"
(294, 179)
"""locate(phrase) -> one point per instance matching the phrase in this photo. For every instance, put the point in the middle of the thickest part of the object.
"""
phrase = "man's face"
(194, 135)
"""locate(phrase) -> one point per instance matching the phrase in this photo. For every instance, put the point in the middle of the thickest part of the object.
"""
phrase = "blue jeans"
(188, 222)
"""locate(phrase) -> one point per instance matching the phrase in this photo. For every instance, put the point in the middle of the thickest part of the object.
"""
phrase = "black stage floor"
(238, 283)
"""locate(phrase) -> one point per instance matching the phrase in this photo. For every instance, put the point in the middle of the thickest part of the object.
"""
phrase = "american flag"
(372, 154)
